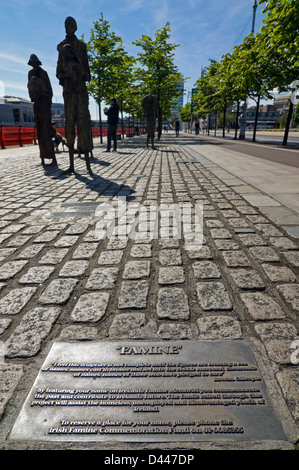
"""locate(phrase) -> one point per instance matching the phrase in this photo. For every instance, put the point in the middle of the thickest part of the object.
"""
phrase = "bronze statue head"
(70, 25)
(34, 61)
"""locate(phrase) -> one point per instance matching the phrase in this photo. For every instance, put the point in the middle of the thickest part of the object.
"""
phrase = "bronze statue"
(40, 92)
(73, 73)
(149, 104)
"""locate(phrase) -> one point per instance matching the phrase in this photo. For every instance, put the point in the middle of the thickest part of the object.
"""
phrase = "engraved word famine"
(127, 350)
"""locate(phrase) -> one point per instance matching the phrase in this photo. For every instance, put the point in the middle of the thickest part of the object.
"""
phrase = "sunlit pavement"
(241, 284)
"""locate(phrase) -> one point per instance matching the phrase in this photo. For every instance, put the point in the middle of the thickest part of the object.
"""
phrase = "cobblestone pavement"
(60, 282)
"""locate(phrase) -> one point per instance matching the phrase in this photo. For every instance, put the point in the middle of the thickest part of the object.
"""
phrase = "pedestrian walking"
(112, 114)
(177, 127)
(197, 128)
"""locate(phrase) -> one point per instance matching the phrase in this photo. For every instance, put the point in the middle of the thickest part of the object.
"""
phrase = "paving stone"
(170, 257)
(134, 325)
(141, 251)
(102, 278)
(46, 237)
(74, 269)
(289, 383)
(133, 294)
(6, 252)
(261, 306)
(164, 244)
(213, 296)
(221, 327)
(269, 230)
(173, 304)
(4, 236)
(4, 324)
(30, 252)
(35, 326)
(214, 223)
(65, 241)
(171, 275)
(33, 229)
(110, 257)
(85, 251)
(78, 333)
(251, 239)
(264, 253)
(58, 291)
(279, 351)
(290, 293)
(205, 270)
(235, 258)
(220, 233)
(226, 245)
(11, 268)
(54, 256)
(279, 273)
(136, 269)
(15, 300)
(118, 244)
(247, 279)
(13, 228)
(292, 257)
(275, 330)
(18, 241)
(76, 229)
(283, 243)
(202, 253)
(90, 307)
(239, 222)
(230, 214)
(37, 275)
(174, 331)
(10, 376)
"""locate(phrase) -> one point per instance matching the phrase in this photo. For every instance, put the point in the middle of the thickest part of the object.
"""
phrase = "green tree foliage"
(158, 74)
(185, 113)
(110, 66)
(280, 32)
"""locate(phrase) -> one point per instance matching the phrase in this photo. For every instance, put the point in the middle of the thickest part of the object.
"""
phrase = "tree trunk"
(224, 120)
(286, 132)
(256, 118)
(237, 120)
(242, 133)
(216, 120)
(101, 126)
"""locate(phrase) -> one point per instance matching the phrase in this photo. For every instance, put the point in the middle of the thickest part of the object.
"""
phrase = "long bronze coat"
(40, 92)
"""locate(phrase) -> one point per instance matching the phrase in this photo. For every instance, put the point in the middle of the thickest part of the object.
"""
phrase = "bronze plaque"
(149, 392)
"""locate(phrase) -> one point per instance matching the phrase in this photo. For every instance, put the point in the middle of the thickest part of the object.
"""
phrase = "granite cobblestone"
(60, 282)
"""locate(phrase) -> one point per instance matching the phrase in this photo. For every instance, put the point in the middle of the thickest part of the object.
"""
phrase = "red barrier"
(19, 135)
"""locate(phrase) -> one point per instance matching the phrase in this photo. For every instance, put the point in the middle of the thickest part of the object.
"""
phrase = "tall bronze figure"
(149, 104)
(40, 92)
(73, 73)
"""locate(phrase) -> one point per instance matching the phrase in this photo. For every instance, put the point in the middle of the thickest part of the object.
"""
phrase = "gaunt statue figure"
(73, 73)
(149, 104)
(40, 92)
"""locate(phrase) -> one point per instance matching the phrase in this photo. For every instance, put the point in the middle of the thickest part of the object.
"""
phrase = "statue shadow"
(96, 183)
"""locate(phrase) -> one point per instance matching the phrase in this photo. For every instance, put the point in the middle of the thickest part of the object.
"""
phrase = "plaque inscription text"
(180, 391)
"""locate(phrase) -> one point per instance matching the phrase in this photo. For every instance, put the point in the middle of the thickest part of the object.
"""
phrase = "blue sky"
(205, 29)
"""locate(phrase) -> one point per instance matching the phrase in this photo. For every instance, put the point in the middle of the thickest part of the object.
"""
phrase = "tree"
(158, 74)
(185, 113)
(280, 32)
(108, 62)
